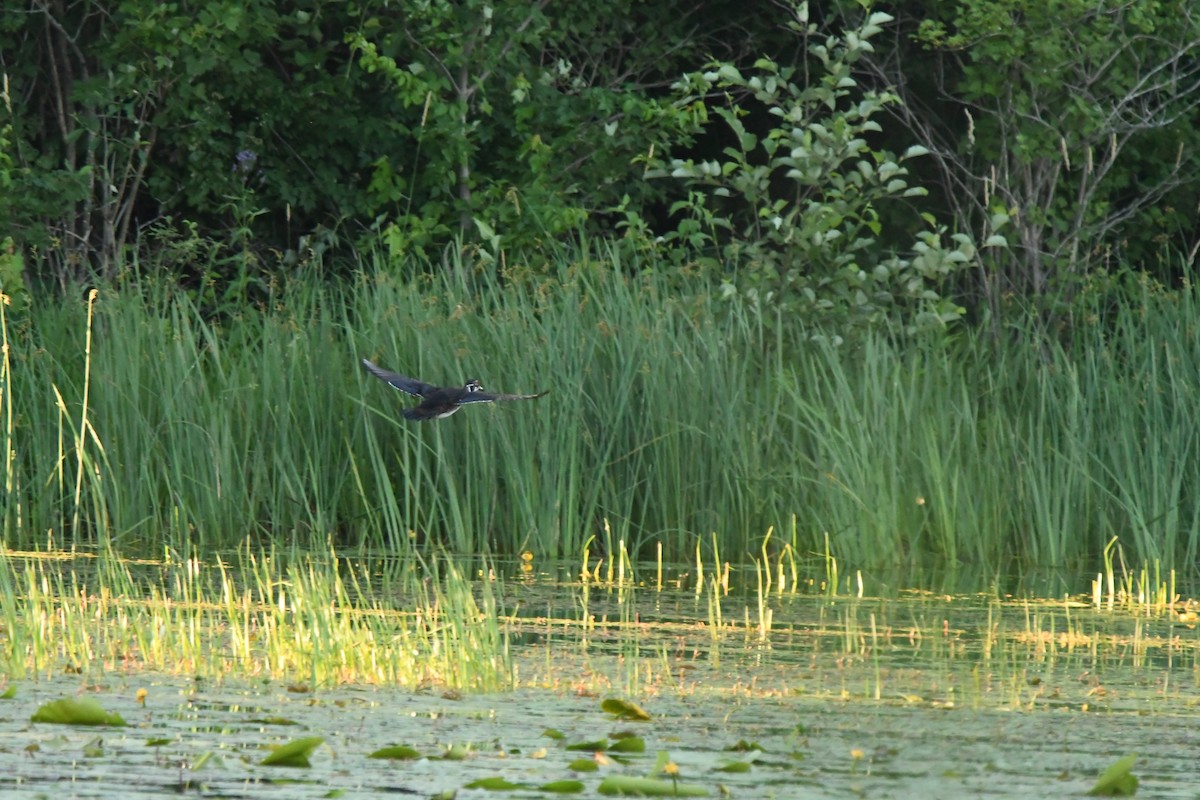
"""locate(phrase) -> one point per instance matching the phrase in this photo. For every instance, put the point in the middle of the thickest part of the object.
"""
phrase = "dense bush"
(1076, 119)
(299, 128)
(801, 218)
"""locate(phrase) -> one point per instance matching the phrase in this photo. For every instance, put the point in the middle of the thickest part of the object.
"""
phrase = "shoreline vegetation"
(314, 621)
(680, 422)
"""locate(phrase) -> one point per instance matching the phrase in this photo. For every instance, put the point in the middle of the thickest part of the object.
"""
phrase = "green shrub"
(795, 217)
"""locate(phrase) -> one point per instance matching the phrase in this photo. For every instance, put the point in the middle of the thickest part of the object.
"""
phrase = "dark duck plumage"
(439, 402)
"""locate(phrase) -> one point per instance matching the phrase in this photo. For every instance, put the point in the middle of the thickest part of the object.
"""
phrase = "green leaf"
(494, 784)
(629, 744)
(624, 709)
(76, 711)
(396, 753)
(599, 745)
(1117, 780)
(456, 752)
(649, 787)
(293, 754)
(562, 787)
(742, 746)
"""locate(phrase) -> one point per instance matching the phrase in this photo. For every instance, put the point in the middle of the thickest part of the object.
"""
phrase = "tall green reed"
(674, 419)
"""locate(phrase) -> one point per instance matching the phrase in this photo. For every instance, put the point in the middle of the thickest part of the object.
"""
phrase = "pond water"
(212, 740)
(911, 695)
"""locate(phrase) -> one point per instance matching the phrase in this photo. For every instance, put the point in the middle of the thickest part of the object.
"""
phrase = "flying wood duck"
(439, 402)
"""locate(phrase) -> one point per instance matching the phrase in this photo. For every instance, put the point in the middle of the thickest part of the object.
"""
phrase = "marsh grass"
(316, 621)
(311, 621)
(678, 424)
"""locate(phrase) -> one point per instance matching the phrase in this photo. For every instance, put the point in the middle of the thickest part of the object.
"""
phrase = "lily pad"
(562, 787)
(76, 711)
(456, 752)
(396, 753)
(599, 745)
(624, 709)
(293, 754)
(1117, 780)
(494, 784)
(649, 787)
(630, 744)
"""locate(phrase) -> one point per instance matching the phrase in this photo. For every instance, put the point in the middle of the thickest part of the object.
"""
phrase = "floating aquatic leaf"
(9, 693)
(272, 721)
(1117, 780)
(494, 784)
(76, 711)
(293, 754)
(456, 752)
(623, 709)
(158, 742)
(598, 745)
(397, 753)
(583, 765)
(562, 787)
(554, 733)
(735, 766)
(649, 787)
(742, 746)
(632, 744)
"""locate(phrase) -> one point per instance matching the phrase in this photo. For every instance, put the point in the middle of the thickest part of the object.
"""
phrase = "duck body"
(439, 402)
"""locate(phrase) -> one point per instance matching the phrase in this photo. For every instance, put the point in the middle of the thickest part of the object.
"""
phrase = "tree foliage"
(1073, 118)
(225, 137)
(795, 216)
(259, 126)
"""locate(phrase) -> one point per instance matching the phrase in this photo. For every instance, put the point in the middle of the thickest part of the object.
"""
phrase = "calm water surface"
(910, 695)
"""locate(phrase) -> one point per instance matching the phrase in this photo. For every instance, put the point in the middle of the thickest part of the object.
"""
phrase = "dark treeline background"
(223, 140)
